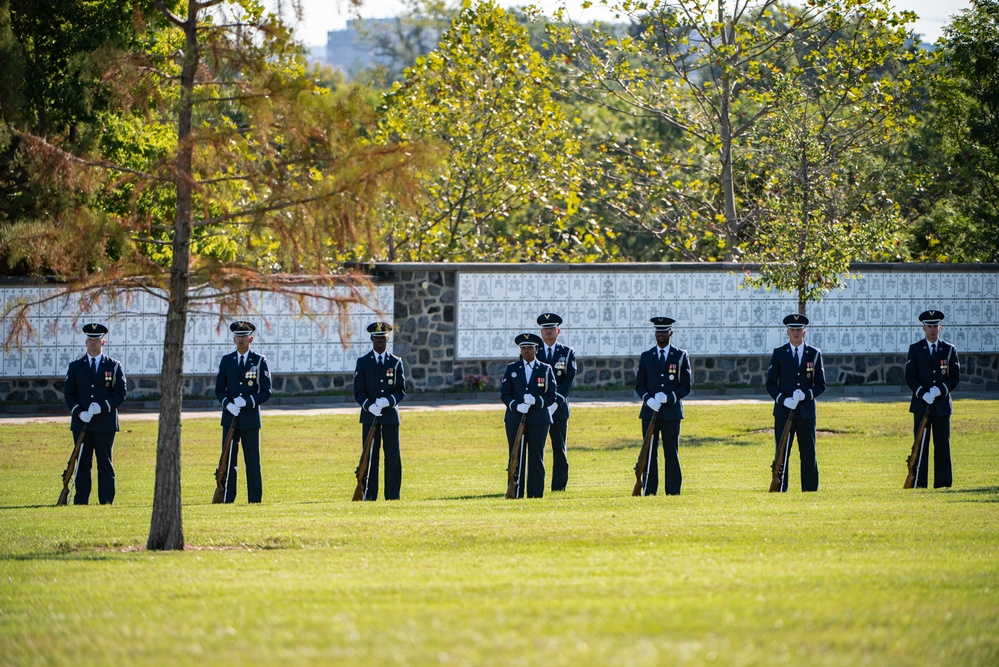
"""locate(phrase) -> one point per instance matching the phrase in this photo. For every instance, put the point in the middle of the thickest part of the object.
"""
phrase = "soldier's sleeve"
(818, 377)
(120, 389)
(912, 374)
(569, 379)
(642, 380)
(395, 398)
(506, 390)
(360, 390)
(953, 372)
(71, 392)
(220, 384)
(684, 387)
(773, 376)
(263, 384)
(551, 388)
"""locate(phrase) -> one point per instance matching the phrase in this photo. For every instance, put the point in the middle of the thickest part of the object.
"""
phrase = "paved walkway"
(486, 402)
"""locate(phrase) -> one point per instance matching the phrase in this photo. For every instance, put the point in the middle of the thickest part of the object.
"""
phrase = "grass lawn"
(860, 573)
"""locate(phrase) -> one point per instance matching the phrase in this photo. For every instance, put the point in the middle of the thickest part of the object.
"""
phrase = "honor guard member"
(379, 386)
(243, 383)
(562, 359)
(662, 381)
(932, 371)
(794, 380)
(528, 388)
(94, 388)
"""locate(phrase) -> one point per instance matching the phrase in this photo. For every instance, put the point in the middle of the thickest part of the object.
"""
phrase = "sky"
(324, 15)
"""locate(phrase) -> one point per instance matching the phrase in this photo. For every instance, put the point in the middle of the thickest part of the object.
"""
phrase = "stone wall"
(425, 338)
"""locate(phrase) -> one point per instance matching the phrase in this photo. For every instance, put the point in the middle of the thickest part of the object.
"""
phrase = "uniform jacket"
(922, 371)
(254, 386)
(515, 386)
(784, 376)
(106, 388)
(563, 363)
(672, 378)
(372, 383)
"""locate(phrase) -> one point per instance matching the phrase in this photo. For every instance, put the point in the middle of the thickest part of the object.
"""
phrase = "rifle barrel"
(67, 475)
(364, 465)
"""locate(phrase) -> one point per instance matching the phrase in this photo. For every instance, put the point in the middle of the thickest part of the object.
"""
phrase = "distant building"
(346, 50)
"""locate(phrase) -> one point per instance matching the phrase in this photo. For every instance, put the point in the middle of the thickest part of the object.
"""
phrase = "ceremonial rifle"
(644, 453)
(67, 476)
(223, 470)
(513, 473)
(365, 463)
(785, 442)
(917, 445)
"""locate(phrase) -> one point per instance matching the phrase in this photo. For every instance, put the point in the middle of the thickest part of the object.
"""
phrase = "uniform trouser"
(250, 439)
(804, 430)
(387, 437)
(942, 473)
(669, 431)
(536, 436)
(560, 461)
(102, 445)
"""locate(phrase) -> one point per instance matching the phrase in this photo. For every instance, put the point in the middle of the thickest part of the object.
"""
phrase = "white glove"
(790, 403)
(375, 409)
(529, 399)
(798, 395)
(552, 408)
(240, 401)
(382, 402)
(233, 409)
(661, 397)
(653, 403)
(94, 409)
(85, 416)
(523, 408)
(929, 397)
(935, 390)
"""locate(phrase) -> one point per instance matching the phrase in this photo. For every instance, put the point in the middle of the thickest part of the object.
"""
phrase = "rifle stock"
(778, 466)
(223, 470)
(913, 461)
(67, 475)
(513, 476)
(643, 455)
(365, 463)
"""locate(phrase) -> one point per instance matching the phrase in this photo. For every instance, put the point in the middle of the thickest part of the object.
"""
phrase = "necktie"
(662, 356)
(797, 360)
(933, 349)
(93, 365)
(242, 364)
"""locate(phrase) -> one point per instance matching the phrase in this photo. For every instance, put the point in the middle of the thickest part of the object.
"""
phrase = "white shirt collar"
(96, 359)
(665, 350)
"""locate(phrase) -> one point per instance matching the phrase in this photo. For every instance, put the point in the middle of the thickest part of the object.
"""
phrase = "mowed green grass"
(860, 573)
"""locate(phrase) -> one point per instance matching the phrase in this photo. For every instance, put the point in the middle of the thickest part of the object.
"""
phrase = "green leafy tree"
(846, 107)
(266, 173)
(485, 98)
(956, 203)
(713, 71)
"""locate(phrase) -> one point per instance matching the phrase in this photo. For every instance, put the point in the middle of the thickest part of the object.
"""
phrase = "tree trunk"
(725, 121)
(166, 529)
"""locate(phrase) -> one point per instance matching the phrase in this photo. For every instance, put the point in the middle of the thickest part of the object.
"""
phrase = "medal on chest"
(943, 367)
(108, 378)
(809, 368)
(390, 375)
(672, 371)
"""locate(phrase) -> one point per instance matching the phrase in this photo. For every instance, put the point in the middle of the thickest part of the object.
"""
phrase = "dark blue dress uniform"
(783, 377)
(666, 371)
(562, 359)
(541, 384)
(105, 387)
(371, 382)
(252, 381)
(924, 370)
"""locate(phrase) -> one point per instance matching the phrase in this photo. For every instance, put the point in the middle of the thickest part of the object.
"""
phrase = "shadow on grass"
(685, 441)
(27, 507)
(477, 496)
(58, 555)
(984, 494)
